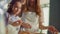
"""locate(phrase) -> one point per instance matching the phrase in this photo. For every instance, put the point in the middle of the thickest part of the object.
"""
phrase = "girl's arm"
(16, 23)
(21, 23)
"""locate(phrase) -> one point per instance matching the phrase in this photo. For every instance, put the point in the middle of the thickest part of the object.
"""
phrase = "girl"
(13, 20)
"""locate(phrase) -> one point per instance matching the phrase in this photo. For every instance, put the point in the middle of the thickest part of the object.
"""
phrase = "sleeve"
(13, 19)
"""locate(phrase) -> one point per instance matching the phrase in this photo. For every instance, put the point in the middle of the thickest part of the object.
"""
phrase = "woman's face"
(23, 2)
(17, 8)
(32, 2)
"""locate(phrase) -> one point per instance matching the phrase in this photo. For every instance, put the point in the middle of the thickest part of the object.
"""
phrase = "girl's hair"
(11, 4)
(36, 6)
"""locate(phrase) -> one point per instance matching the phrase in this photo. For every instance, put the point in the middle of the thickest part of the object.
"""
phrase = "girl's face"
(17, 8)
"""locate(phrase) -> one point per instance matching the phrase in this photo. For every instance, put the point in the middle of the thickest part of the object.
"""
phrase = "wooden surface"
(24, 32)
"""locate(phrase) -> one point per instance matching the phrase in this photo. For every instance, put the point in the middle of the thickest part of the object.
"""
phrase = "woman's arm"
(52, 29)
(41, 20)
(26, 25)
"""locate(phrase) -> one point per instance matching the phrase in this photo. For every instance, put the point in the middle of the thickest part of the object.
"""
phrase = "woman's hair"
(36, 7)
(11, 4)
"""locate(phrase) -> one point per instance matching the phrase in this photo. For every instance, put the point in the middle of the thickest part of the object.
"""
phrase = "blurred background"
(45, 5)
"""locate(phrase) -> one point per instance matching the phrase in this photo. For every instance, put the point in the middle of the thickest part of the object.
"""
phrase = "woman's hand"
(26, 25)
(53, 30)
(17, 23)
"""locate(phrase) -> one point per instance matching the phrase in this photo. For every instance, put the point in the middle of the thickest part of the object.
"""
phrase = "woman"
(33, 16)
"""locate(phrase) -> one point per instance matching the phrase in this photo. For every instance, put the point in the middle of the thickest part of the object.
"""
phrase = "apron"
(12, 29)
(32, 19)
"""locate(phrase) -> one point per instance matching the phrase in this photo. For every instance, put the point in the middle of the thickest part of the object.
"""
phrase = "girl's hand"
(17, 23)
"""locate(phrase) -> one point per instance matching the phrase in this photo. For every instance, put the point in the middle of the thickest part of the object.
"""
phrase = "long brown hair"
(38, 11)
(36, 6)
